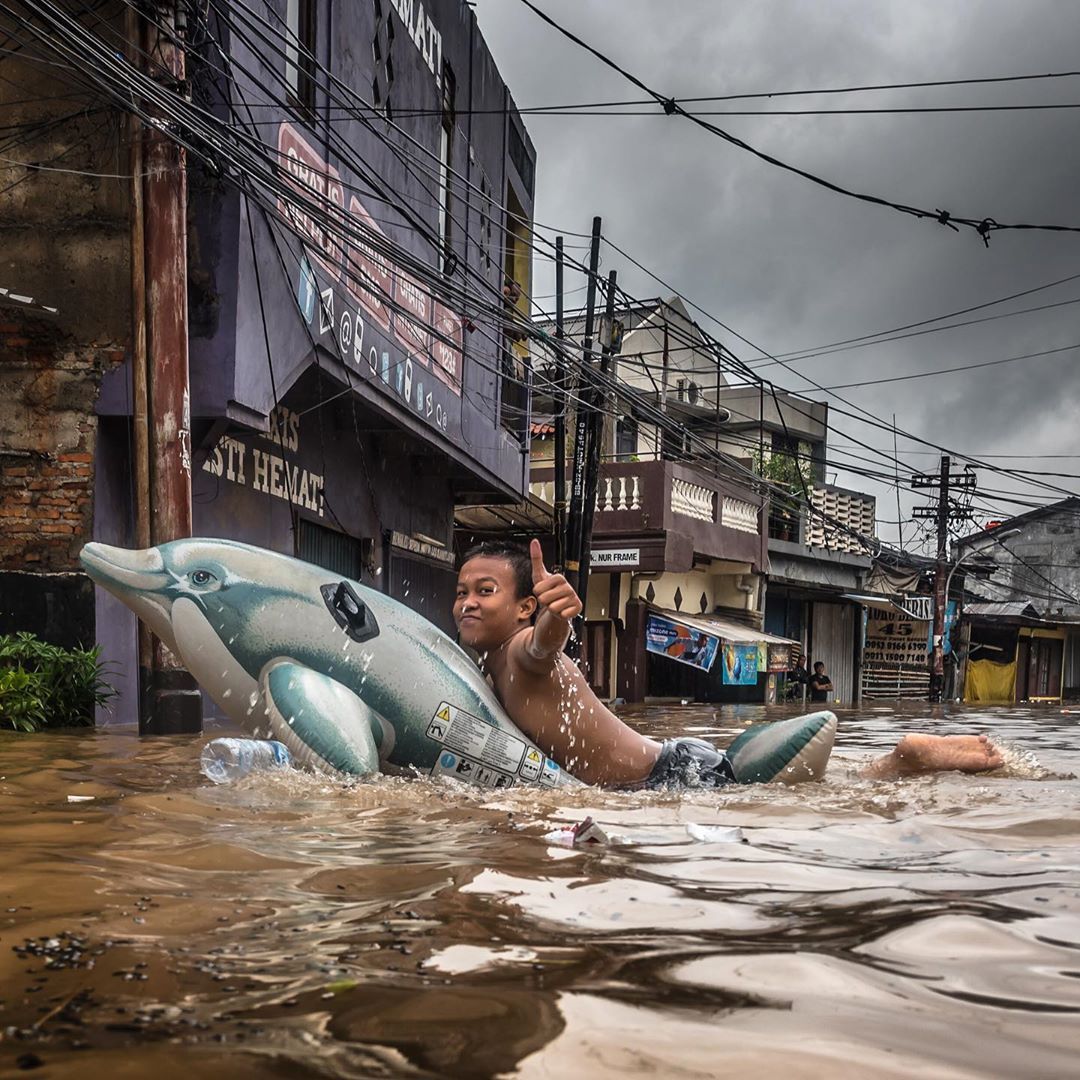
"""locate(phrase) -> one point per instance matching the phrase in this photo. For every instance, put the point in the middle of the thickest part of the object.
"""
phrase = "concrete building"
(349, 382)
(678, 545)
(819, 558)
(1020, 636)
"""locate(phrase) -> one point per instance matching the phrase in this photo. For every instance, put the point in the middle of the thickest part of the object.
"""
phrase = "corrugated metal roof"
(1013, 609)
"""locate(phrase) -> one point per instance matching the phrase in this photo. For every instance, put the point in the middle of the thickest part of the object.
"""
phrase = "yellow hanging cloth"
(987, 681)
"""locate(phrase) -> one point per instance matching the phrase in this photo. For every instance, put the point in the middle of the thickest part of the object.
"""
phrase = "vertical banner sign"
(740, 665)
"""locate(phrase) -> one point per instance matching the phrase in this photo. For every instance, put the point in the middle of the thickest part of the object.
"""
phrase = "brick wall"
(47, 430)
(64, 242)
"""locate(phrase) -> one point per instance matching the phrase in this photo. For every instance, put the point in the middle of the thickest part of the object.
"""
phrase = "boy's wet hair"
(518, 557)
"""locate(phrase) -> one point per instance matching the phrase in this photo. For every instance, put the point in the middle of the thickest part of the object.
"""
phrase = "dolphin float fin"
(323, 723)
(787, 750)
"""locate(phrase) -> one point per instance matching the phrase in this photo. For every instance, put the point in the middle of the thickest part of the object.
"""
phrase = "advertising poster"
(677, 642)
(740, 665)
(779, 658)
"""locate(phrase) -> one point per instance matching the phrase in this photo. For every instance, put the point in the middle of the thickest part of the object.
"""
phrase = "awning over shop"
(528, 518)
(1004, 609)
(697, 640)
(724, 629)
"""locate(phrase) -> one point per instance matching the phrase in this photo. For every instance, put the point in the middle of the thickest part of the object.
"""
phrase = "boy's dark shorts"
(690, 763)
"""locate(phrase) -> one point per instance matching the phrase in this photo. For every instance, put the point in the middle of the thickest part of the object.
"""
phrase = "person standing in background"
(820, 684)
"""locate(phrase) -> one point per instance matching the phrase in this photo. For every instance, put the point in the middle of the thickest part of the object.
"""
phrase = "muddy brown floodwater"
(153, 925)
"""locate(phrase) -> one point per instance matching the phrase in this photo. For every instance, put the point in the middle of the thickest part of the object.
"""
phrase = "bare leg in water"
(916, 754)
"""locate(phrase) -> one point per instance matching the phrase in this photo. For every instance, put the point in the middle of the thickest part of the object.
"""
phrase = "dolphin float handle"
(350, 612)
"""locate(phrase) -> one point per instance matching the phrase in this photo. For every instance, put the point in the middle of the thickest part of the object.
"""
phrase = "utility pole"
(586, 400)
(597, 397)
(560, 412)
(942, 513)
(937, 654)
(169, 702)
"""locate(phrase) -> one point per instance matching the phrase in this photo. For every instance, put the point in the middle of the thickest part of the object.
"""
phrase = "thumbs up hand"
(552, 591)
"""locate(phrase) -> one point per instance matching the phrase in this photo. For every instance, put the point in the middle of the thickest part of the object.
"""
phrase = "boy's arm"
(558, 606)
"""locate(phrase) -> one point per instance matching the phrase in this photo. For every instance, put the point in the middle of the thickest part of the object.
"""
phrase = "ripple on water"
(399, 927)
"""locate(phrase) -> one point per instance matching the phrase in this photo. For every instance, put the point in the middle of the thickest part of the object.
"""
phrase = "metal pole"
(937, 665)
(581, 425)
(596, 431)
(175, 705)
(560, 412)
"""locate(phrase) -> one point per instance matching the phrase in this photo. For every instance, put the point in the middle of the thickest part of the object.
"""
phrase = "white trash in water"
(715, 834)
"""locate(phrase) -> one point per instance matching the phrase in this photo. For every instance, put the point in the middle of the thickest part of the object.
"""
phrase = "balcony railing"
(839, 519)
(693, 500)
(659, 496)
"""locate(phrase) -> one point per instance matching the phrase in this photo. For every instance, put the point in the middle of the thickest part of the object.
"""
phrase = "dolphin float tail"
(323, 723)
(787, 750)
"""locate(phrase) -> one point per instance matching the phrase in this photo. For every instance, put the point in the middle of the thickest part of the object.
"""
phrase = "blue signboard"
(950, 619)
(677, 642)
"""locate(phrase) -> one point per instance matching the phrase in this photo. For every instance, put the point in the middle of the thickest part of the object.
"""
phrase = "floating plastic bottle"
(226, 760)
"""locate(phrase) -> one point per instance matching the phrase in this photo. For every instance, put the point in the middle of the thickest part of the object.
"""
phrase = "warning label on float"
(470, 771)
(533, 763)
(474, 738)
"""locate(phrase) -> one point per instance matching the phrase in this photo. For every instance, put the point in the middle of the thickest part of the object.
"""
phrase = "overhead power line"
(984, 226)
(950, 370)
(241, 154)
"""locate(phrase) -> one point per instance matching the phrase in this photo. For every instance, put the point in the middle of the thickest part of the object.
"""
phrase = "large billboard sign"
(387, 326)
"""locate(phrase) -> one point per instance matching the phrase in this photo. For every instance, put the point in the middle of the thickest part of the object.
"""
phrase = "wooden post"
(172, 704)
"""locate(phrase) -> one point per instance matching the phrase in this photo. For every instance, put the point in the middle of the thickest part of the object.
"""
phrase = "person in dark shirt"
(820, 683)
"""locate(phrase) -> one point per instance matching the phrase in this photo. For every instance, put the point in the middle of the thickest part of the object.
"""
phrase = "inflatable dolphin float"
(351, 680)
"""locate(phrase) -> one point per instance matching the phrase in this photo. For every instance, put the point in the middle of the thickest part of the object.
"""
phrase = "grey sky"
(789, 265)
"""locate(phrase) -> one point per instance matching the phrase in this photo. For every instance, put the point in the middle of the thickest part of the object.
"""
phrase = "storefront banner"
(893, 639)
(677, 642)
(779, 658)
(740, 665)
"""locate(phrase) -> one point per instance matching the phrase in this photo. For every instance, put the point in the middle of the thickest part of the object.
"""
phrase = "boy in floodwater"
(516, 615)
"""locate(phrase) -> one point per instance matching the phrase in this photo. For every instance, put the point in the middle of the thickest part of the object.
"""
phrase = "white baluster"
(622, 493)
(635, 498)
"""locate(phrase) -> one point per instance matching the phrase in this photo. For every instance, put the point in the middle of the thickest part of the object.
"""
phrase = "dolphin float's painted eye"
(202, 578)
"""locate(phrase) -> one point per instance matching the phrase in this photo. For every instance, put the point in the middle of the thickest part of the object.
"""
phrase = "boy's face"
(487, 610)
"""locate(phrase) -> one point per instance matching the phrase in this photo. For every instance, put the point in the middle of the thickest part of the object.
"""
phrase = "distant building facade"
(1021, 629)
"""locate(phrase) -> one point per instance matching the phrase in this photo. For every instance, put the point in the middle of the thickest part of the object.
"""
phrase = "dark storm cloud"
(792, 266)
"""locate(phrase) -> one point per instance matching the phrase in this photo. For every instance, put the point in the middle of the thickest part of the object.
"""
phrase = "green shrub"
(43, 685)
(21, 705)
